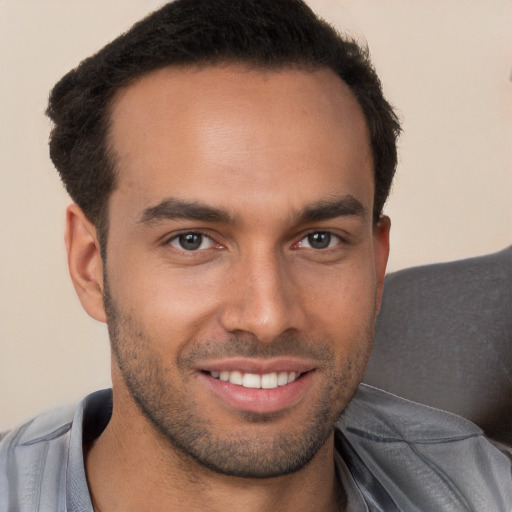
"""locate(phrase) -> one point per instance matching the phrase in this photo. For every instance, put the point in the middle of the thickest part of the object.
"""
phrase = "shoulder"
(38, 447)
(421, 457)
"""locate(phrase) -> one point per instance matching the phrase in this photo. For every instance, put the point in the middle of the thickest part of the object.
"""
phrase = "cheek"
(172, 306)
(344, 297)
(177, 305)
(342, 311)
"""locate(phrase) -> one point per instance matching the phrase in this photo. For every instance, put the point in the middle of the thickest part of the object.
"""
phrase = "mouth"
(257, 381)
(252, 387)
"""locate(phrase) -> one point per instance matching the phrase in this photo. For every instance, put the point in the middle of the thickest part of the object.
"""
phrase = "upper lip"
(258, 366)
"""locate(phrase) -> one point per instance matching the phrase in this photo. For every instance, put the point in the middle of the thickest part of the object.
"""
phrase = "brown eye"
(191, 242)
(319, 240)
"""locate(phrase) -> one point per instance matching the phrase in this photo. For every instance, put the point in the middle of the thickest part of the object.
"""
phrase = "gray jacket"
(391, 455)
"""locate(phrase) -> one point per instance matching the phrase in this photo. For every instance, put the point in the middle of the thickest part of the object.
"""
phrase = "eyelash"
(330, 236)
(176, 238)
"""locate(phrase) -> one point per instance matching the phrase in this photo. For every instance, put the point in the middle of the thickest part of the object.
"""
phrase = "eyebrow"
(346, 206)
(172, 209)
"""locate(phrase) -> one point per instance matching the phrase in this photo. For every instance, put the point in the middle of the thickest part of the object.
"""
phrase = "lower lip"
(264, 401)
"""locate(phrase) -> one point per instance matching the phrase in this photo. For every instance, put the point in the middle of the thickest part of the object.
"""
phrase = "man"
(229, 162)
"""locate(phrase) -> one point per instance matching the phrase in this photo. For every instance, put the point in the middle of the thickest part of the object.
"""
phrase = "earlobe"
(381, 248)
(84, 261)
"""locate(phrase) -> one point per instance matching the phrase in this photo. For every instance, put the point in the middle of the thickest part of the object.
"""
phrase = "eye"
(191, 242)
(319, 240)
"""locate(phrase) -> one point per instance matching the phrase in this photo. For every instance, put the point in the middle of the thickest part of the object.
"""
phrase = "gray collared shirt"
(391, 455)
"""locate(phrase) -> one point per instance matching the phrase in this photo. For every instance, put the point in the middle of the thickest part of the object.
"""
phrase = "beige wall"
(445, 64)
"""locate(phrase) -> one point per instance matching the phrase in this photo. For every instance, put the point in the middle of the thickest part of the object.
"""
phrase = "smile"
(256, 381)
(259, 386)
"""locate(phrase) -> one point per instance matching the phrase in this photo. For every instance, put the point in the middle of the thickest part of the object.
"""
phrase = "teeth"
(236, 378)
(251, 380)
(282, 379)
(255, 381)
(269, 381)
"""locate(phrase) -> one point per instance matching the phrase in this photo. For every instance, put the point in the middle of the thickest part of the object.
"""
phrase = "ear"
(84, 261)
(381, 249)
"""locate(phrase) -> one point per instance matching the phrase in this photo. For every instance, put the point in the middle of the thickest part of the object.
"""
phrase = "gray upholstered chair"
(444, 338)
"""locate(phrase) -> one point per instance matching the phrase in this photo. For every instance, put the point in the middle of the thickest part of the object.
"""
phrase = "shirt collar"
(90, 419)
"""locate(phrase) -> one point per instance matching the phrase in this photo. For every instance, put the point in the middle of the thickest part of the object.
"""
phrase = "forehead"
(218, 134)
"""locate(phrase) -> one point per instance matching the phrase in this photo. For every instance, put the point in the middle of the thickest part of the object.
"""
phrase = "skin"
(278, 155)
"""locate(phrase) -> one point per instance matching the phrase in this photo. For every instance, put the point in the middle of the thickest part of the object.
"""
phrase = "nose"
(262, 298)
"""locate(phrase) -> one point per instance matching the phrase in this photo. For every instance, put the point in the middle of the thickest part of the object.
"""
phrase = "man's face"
(243, 267)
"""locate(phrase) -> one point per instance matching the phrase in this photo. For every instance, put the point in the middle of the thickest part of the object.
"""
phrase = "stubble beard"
(177, 418)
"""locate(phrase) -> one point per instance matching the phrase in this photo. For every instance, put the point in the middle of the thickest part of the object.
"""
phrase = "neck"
(131, 467)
